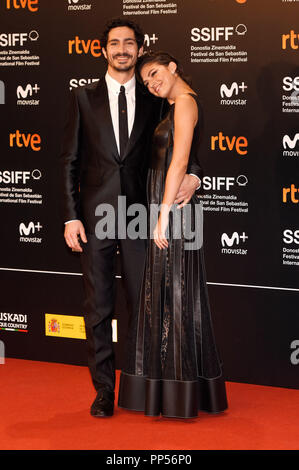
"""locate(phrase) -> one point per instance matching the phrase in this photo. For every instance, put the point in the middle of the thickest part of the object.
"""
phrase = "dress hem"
(172, 398)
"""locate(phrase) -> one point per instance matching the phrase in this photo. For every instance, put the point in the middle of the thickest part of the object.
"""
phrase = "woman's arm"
(185, 118)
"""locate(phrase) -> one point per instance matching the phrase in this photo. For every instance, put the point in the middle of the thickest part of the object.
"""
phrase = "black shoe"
(104, 404)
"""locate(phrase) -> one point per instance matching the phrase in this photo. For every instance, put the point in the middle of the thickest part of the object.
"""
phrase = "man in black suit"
(105, 155)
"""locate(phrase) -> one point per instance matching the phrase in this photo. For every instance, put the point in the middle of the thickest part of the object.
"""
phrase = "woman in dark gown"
(172, 365)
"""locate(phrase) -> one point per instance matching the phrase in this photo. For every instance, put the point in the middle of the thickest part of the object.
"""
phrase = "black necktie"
(123, 121)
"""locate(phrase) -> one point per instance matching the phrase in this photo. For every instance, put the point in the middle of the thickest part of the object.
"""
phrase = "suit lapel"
(103, 116)
(140, 113)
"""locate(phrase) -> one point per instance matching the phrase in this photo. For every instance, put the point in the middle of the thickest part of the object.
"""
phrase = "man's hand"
(186, 190)
(73, 230)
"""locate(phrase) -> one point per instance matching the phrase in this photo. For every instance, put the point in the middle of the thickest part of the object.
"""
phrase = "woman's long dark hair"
(161, 58)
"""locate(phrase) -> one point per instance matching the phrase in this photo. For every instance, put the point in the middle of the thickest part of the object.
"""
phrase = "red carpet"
(45, 406)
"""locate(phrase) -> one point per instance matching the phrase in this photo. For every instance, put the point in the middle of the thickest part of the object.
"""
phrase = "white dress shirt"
(113, 92)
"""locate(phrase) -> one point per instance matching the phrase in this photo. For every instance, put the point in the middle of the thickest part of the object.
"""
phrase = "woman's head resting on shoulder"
(160, 73)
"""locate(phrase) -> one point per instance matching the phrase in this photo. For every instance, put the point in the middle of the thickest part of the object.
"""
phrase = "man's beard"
(122, 68)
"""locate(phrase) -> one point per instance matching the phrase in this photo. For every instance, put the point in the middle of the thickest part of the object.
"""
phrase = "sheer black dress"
(172, 365)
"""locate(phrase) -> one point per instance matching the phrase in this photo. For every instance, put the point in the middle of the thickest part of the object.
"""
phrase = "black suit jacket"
(93, 172)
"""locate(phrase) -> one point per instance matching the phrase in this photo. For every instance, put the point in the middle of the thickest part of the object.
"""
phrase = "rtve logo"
(32, 5)
(80, 46)
(28, 90)
(15, 39)
(228, 92)
(288, 194)
(291, 39)
(30, 228)
(217, 33)
(240, 144)
(25, 140)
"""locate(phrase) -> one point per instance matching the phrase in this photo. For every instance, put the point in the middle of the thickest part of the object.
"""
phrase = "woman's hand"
(160, 231)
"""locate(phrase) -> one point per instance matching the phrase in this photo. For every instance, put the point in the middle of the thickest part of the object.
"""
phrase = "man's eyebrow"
(126, 39)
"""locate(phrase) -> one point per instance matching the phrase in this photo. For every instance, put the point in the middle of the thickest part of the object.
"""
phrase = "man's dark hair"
(120, 22)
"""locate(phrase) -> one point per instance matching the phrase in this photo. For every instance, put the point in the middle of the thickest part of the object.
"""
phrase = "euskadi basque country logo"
(31, 5)
(13, 322)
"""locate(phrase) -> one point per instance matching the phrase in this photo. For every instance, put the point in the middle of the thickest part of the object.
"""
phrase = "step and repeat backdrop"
(243, 56)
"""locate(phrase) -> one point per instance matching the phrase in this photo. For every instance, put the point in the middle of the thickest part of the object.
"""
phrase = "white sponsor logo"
(18, 177)
(13, 321)
(234, 239)
(290, 143)
(217, 33)
(290, 84)
(218, 183)
(228, 92)
(76, 82)
(30, 228)
(291, 236)
(16, 39)
(230, 241)
(148, 40)
(75, 5)
(28, 90)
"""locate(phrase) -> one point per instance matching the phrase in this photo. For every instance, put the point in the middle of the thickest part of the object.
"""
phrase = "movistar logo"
(234, 239)
(233, 89)
(290, 143)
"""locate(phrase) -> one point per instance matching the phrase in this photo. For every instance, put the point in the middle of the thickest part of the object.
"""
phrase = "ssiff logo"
(32, 5)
